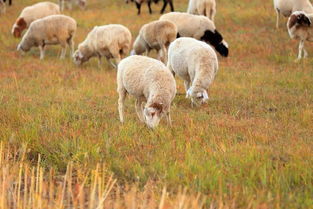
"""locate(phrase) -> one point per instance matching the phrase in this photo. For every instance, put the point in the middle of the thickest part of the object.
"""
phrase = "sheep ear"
(21, 22)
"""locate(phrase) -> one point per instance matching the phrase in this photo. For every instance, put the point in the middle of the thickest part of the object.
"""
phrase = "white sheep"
(69, 4)
(151, 83)
(287, 7)
(196, 63)
(300, 27)
(202, 7)
(32, 13)
(198, 27)
(155, 35)
(109, 41)
(51, 30)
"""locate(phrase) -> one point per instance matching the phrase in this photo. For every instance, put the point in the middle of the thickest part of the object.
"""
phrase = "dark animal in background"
(165, 2)
(10, 2)
(139, 3)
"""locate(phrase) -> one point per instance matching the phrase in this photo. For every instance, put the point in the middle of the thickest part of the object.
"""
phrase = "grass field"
(251, 146)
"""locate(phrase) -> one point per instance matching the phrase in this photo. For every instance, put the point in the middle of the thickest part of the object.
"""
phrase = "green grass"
(251, 146)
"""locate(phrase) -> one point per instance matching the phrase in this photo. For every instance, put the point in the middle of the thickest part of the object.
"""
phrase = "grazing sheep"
(51, 30)
(287, 7)
(32, 13)
(202, 7)
(155, 35)
(151, 83)
(2, 7)
(198, 27)
(139, 2)
(300, 27)
(69, 3)
(196, 63)
(109, 41)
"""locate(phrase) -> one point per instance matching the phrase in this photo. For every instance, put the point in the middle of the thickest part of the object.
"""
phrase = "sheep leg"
(305, 53)
(61, 5)
(63, 51)
(169, 120)
(42, 49)
(171, 5)
(164, 55)
(122, 95)
(69, 5)
(187, 86)
(149, 6)
(99, 61)
(301, 47)
(72, 46)
(210, 12)
(117, 58)
(138, 7)
(139, 109)
(277, 18)
(164, 6)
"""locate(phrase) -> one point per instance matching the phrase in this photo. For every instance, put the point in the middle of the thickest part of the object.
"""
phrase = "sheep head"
(298, 19)
(18, 27)
(153, 114)
(198, 97)
(216, 40)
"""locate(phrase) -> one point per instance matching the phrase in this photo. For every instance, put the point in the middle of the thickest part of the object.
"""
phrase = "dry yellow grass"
(251, 146)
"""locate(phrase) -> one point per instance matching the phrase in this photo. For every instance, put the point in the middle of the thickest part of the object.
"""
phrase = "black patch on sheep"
(222, 49)
(303, 20)
(215, 39)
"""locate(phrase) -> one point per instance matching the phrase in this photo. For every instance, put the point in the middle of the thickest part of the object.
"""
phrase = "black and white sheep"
(198, 27)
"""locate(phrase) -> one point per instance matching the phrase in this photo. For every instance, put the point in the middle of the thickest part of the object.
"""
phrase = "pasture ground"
(251, 146)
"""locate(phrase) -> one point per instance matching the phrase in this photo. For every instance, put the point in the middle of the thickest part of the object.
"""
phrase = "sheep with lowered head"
(51, 30)
(151, 83)
(109, 41)
(202, 7)
(198, 27)
(287, 7)
(196, 63)
(300, 28)
(32, 13)
(155, 35)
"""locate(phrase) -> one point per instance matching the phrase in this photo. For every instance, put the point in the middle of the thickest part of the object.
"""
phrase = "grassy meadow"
(250, 146)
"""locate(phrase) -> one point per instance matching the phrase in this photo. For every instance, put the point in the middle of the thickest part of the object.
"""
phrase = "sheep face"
(18, 27)
(79, 58)
(197, 97)
(216, 40)
(26, 44)
(153, 115)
